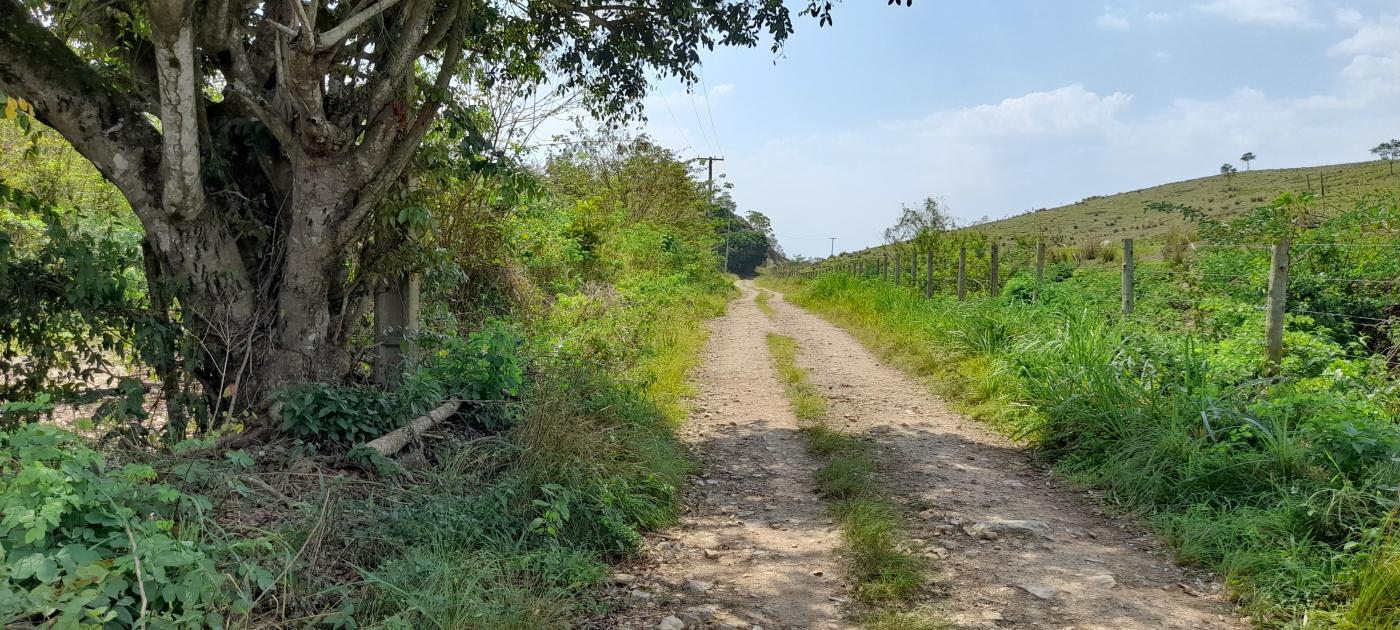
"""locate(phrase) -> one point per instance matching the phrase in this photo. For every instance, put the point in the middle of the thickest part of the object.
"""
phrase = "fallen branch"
(394, 441)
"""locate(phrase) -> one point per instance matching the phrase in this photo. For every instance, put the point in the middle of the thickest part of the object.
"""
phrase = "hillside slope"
(1126, 214)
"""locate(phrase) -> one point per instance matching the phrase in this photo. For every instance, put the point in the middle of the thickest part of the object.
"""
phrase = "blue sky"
(1002, 107)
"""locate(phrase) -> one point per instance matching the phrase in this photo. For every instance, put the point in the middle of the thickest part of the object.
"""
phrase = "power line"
(709, 111)
(690, 93)
(710, 184)
(667, 102)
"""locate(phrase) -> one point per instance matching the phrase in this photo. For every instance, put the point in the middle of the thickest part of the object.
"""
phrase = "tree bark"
(394, 441)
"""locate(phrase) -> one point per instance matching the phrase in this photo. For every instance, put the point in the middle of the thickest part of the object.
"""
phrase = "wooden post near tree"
(928, 273)
(1127, 276)
(395, 319)
(994, 271)
(1039, 270)
(897, 271)
(1278, 304)
(962, 272)
(885, 268)
(914, 269)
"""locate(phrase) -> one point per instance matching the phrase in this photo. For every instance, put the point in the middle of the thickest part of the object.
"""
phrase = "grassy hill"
(1126, 215)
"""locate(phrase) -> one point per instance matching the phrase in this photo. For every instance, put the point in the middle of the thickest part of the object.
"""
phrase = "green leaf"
(35, 565)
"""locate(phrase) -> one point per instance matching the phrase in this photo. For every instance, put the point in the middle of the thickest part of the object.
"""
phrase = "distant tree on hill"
(1228, 170)
(931, 215)
(1388, 151)
(1247, 158)
(762, 223)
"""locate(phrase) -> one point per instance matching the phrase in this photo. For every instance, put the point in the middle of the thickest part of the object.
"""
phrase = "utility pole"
(710, 183)
(833, 246)
(711, 178)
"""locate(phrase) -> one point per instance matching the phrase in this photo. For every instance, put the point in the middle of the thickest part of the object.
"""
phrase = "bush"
(86, 543)
(339, 414)
(485, 366)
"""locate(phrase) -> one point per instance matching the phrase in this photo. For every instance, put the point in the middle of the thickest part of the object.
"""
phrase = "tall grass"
(514, 531)
(1257, 479)
(1376, 603)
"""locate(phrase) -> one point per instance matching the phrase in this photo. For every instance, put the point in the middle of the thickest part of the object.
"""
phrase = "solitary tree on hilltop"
(1388, 151)
(1247, 158)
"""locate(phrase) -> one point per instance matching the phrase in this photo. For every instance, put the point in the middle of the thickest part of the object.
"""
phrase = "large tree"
(253, 138)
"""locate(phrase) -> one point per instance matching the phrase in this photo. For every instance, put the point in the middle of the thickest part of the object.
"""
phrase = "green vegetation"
(807, 402)
(761, 300)
(1112, 217)
(1286, 485)
(885, 575)
(280, 187)
(91, 543)
(563, 304)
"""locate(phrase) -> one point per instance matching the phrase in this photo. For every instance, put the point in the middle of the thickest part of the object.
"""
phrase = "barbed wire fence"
(980, 269)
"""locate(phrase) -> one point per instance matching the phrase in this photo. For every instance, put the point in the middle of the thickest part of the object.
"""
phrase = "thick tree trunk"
(251, 202)
(307, 344)
(280, 324)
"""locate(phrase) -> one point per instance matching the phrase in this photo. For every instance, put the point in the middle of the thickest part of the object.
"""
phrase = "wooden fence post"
(928, 273)
(962, 272)
(1127, 276)
(897, 271)
(1039, 270)
(994, 272)
(1278, 303)
(914, 269)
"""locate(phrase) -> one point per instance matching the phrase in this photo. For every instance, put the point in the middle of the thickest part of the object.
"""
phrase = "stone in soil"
(1008, 527)
(1039, 590)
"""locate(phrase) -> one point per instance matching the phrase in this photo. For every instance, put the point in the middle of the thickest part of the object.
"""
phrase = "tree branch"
(307, 31)
(346, 28)
(397, 60)
(407, 144)
(106, 126)
(172, 33)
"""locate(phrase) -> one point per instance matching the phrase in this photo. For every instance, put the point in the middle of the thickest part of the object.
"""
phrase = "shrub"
(86, 543)
(338, 414)
(486, 365)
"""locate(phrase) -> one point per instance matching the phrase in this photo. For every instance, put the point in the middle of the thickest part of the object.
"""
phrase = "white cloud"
(1274, 12)
(721, 90)
(1153, 16)
(1040, 149)
(1377, 37)
(1348, 17)
(1374, 49)
(1109, 20)
(1051, 147)
(1059, 113)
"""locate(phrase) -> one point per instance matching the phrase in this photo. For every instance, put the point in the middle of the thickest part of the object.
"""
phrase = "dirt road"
(1012, 546)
